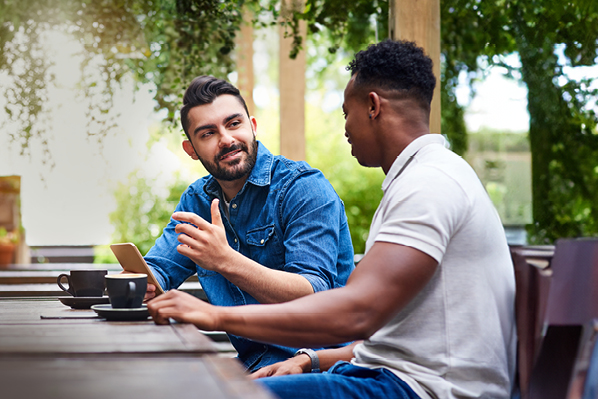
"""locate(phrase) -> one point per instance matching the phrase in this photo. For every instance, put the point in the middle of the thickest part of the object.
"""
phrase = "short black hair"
(204, 90)
(395, 65)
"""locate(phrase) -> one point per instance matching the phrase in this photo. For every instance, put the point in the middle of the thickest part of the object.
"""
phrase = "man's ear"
(253, 122)
(188, 147)
(373, 105)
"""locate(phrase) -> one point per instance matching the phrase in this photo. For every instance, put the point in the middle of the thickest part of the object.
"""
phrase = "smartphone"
(131, 260)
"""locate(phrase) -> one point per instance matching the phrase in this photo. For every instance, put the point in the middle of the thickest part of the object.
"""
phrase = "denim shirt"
(286, 217)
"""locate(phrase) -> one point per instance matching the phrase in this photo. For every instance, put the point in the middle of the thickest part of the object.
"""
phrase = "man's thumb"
(216, 217)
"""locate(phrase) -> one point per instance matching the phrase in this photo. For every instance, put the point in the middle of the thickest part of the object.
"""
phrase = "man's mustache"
(234, 147)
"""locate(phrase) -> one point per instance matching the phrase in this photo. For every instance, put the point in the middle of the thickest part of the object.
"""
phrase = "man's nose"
(226, 139)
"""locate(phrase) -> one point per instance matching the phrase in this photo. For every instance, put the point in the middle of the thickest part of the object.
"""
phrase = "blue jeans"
(342, 381)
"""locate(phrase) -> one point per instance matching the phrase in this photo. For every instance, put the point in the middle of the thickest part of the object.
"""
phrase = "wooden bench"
(532, 278)
(40, 279)
(556, 305)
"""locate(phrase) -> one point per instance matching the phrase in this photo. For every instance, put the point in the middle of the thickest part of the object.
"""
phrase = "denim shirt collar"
(260, 174)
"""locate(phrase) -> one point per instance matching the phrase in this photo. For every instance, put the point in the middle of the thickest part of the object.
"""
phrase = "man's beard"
(230, 172)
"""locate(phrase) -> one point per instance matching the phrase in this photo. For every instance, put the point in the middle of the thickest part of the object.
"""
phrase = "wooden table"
(75, 354)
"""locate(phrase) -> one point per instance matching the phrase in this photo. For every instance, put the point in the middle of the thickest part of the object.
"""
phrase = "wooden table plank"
(95, 337)
(50, 307)
(22, 330)
(133, 378)
(94, 358)
(29, 311)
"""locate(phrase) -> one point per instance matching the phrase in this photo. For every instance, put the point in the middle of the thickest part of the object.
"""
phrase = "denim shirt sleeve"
(316, 235)
(171, 268)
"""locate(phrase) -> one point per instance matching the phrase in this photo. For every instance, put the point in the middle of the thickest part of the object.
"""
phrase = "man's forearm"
(387, 279)
(326, 318)
(328, 357)
(264, 284)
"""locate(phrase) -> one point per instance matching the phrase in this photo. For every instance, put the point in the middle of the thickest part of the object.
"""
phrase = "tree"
(562, 133)
(141, 213)
(169, 41)
(166, 42)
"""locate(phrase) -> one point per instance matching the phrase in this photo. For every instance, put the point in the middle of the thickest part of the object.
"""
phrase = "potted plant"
(8, 243)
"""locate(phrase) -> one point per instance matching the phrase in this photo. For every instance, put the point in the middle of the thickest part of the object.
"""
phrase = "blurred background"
(90, 140)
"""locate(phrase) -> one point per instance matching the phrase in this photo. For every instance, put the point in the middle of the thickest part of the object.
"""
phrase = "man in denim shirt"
(259, 229)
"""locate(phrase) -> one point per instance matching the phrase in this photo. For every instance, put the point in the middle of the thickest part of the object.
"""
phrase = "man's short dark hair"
(400, 66)
(204, 90)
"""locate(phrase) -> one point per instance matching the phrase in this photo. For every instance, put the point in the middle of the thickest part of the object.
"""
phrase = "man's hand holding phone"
(132, 261)
(150, 293)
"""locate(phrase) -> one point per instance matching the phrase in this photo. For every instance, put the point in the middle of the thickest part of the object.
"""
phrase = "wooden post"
(292, 91)
(245, 81)
(419, 21)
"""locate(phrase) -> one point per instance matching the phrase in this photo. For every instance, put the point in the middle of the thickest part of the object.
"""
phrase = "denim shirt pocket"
(260, 236)
(265, 247)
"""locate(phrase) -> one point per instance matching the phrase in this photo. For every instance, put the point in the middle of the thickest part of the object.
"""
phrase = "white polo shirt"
(456, 338)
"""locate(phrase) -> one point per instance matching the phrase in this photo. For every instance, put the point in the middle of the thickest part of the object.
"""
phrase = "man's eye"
(235, 123)
(207, 134)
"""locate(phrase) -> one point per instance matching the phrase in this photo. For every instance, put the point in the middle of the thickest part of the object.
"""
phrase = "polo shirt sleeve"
(423, 210)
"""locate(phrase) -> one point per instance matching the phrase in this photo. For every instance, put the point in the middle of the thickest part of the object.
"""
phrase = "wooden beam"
(419, 21)
(244, 46)
(292, 92)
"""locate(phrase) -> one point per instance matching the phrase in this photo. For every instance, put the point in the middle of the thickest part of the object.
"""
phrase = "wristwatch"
(315, 361)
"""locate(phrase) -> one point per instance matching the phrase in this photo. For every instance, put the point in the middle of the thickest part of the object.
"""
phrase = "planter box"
(7, 252)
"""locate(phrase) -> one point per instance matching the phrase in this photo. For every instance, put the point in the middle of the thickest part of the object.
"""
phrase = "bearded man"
(259, 229)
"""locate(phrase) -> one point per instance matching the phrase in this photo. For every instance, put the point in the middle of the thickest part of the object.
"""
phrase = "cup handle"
(131, 288)
(70, 290)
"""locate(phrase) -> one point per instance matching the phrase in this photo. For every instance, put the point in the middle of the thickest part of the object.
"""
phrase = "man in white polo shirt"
(433, 297)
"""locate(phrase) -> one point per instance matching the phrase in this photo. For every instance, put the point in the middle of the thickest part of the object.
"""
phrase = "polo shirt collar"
(408, 152)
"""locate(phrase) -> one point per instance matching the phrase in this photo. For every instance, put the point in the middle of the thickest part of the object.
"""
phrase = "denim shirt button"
(234, 206)
(235, 240)
(261, 242)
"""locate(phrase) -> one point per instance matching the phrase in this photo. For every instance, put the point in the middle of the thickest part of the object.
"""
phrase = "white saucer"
(121, 314)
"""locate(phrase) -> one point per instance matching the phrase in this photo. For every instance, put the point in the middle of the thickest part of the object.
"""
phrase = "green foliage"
(360, 188)
(502, 162)
(142, 210)
(8, 237)
(167, 42)
(493, 141)
(346, 24)
(563, 136)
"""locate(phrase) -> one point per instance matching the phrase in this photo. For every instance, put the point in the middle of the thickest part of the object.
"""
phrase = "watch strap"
(315, 360)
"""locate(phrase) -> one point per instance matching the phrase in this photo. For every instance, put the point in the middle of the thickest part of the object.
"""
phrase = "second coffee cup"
(84, 283)
(126, 290)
